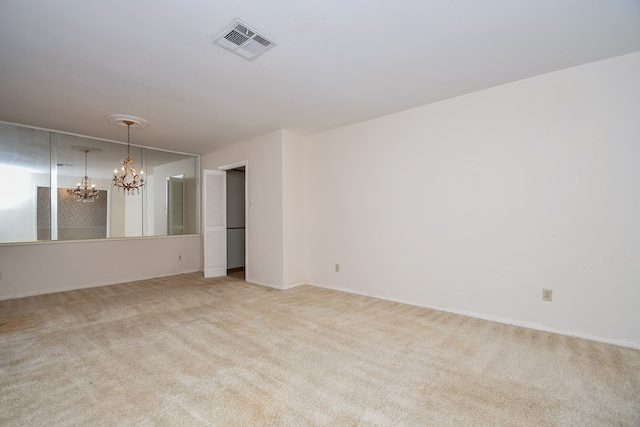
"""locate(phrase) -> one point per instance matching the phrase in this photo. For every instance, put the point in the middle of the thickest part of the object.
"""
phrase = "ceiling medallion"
(122, 119)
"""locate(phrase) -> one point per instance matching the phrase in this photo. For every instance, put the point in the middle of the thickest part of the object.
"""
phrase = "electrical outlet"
(547, 295)
(179, 256)
(337, 268)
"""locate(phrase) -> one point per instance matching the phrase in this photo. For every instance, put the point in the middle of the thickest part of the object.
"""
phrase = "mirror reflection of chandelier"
(85, 191)
(126, 177)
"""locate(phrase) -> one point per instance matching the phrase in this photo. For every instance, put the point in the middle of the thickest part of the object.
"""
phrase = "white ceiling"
(67, 64)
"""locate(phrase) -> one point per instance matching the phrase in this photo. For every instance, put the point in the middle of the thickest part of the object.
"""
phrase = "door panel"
(215, 223)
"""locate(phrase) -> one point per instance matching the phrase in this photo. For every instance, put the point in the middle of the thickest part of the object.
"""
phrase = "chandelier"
(85, 191)
(126, 178)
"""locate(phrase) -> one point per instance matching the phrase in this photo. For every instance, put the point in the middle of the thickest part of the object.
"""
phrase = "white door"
(214, 201)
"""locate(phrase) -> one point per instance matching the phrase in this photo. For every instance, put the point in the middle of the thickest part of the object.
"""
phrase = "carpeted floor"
(190, 351)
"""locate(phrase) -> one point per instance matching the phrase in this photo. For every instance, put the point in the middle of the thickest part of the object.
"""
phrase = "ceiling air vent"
(244, 40)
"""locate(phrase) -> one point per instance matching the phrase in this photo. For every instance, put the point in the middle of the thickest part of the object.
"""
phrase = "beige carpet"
(190, 351)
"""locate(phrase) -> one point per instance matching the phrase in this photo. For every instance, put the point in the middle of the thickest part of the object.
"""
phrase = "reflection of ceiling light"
(127, 178)
(85, 191)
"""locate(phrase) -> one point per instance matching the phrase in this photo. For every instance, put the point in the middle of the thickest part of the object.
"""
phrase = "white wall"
(293, 209)
(475, 204)
(264, 189)
(39, 268)
(275, 227)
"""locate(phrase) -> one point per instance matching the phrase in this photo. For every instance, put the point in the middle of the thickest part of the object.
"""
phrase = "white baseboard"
(530, 325)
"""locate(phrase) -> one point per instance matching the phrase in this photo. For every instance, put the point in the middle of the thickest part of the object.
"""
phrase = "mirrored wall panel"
(84, 204)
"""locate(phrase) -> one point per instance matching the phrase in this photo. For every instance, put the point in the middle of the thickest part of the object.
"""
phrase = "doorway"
(236, 191)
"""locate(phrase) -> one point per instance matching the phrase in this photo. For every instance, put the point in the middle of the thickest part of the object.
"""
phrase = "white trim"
(53, 186)
(233, 165)
(108, 191)
(529, 325)
(35, 212)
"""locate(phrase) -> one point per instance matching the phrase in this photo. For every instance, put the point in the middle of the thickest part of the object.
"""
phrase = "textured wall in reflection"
(76, 220)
